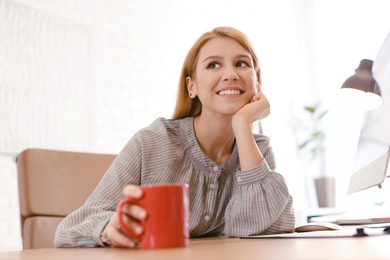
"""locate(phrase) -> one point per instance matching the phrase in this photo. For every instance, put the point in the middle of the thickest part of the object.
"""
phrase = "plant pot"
(325, 188)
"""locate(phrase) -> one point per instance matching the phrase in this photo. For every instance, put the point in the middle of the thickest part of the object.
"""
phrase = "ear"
(191, 87)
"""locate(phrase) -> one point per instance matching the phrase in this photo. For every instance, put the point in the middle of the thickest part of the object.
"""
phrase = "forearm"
(261, 204)
(249, 153)
(75, 233)
(82, 227)
(285, 222)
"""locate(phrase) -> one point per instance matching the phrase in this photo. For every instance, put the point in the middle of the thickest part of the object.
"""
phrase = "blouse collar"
(196, 154)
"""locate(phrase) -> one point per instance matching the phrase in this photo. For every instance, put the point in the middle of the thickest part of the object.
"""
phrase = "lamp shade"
(369, 92)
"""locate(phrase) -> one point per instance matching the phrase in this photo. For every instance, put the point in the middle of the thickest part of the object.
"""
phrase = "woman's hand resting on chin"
(258, 108)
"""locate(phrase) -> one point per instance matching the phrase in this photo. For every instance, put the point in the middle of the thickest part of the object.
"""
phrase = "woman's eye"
(213, 65)
(242, 64)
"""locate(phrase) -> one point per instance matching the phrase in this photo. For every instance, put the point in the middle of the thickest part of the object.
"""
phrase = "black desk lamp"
(369, 93)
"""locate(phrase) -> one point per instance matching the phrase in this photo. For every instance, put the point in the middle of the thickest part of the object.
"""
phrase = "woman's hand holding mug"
(155, 215)
(132, 215)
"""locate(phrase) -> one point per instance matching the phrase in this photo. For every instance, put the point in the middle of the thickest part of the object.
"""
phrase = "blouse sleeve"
(82, 228)
(261, 203)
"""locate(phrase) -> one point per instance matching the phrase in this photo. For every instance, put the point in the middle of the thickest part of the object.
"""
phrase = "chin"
(232, 110)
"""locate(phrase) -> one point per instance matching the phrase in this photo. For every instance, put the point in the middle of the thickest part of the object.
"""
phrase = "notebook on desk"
(345, 232)
(355, 218)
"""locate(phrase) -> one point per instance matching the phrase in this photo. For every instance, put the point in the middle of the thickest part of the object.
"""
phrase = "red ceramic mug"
(167, 223)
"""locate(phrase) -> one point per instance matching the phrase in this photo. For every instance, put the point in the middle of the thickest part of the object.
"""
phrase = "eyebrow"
(216, 57)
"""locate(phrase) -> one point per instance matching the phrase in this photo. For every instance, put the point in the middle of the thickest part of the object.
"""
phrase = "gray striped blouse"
(223, 199)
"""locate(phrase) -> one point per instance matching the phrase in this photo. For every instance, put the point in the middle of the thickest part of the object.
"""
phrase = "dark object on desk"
(387, 230)
(317, 226)
(360, 233)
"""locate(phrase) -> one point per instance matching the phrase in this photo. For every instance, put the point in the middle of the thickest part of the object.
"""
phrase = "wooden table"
(230, 248)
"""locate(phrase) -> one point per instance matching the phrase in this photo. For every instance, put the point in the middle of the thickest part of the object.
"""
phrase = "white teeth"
(229, 92)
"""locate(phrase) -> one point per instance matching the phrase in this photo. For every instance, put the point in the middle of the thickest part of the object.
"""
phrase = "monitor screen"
(372, 154)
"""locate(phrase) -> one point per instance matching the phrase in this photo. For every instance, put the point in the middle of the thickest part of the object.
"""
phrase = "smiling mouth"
(230, 92)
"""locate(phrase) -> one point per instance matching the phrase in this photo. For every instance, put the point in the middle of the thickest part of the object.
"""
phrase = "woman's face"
(225, 79)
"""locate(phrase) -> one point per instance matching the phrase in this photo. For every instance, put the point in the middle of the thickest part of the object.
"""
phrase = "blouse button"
(239, 178)
(207, 217)
(215, 168)
(212, 186)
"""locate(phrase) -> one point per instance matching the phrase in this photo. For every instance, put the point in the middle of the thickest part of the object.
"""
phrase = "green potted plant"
(311, 147)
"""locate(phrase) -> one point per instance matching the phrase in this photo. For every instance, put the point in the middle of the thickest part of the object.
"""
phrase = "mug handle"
(122, 225)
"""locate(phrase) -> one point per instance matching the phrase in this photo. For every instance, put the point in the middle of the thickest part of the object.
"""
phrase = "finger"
(135, 211)
(133, 191)
(264, 100)
(114, 235)
(133, 225)
(117, 238)
(263, 115)
(257, 97)
(121, 240)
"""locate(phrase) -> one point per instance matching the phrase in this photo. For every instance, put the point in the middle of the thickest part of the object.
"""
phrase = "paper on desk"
(345, 232)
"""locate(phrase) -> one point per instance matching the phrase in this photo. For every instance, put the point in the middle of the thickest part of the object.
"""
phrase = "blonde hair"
(191, 107)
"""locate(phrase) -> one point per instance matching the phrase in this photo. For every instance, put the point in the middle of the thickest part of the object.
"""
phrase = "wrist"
(240, 124)
(105, 240)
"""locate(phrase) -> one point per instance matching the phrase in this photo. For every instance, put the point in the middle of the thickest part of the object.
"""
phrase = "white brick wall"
(9, 205)
(134, 53)
(95, 98)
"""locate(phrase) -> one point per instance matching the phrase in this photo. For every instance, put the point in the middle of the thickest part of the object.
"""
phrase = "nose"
(230, 74)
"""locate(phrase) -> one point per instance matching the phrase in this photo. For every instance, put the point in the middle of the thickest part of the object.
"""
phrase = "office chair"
(53, 184)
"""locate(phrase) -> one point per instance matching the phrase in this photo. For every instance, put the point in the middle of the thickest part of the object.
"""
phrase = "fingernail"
(142, 214)
(138, 193)
(131, 243)
(138, 230)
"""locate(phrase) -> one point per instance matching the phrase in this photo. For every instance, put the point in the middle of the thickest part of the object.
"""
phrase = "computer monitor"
(373, 151)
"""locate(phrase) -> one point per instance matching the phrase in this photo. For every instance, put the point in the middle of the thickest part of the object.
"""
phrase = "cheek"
(206, 82)
(251, 80)
(253, 85)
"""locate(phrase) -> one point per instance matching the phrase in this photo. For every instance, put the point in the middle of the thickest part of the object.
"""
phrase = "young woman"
(208, 144)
